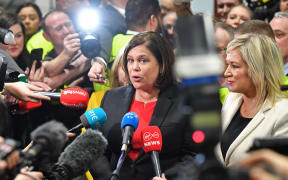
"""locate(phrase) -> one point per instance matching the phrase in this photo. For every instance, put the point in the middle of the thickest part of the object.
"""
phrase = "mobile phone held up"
(36, 54)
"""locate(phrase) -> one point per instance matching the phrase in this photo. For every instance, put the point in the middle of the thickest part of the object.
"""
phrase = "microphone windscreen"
(93, 118)
(86, 148)
(74, 98)
(52, 135)
(130, 119)
(151, 139)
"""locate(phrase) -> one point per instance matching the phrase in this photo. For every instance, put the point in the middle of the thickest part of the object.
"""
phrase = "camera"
(6, 36)
(275, 143)
(7, 147)
(199, 67)
(87, 23)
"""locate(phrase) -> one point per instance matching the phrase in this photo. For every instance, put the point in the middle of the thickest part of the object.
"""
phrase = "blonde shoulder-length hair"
(265, 64)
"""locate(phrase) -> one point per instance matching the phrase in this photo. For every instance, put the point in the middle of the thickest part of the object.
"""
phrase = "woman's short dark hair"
(29, 4)
(8, 19)
(162, 51)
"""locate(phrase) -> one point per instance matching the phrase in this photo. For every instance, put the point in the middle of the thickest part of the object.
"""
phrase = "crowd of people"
(133, 72)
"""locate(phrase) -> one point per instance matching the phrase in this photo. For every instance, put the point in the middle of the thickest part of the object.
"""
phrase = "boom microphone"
(74, 98)
(76, 158)
(152, 143)
(93, 118)
(129, 125)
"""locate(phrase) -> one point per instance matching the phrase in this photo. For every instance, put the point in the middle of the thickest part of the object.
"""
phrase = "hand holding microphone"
(152, 143)
(74, 98)
(48, 138)
(24, 92)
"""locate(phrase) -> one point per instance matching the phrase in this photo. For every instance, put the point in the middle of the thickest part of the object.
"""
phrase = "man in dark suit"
(112, 23)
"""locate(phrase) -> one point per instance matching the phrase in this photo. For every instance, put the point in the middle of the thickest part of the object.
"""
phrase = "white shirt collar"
(132, 32)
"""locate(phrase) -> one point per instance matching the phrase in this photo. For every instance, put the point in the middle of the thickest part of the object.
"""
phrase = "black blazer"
(167, 115)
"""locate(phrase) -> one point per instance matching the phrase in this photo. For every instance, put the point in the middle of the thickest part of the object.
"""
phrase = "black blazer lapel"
(162, 108)
(127, 99)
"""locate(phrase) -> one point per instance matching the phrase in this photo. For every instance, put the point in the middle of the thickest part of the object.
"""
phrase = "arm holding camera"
(56, 66)
(80, 65)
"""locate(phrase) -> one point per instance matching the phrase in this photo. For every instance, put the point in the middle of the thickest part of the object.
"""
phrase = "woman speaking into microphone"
(152, 94)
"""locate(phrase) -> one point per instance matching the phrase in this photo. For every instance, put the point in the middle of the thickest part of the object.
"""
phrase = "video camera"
(199, 67)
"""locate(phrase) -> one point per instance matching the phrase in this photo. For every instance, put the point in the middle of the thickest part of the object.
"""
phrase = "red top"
(144, 112)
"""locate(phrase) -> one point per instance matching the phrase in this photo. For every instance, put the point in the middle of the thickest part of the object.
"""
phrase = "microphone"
(152, 143)
(24, 106)
(74, 98)
(129, 124)
(76, 158)
(48, 138)
(93, 118)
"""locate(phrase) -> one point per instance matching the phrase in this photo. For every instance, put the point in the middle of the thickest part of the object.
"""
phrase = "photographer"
(65, 61)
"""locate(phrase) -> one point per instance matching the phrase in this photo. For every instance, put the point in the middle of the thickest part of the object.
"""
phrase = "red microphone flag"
(151, 139)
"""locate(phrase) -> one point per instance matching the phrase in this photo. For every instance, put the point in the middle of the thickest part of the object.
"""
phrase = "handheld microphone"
(152, 143)
(129, 124)
(24, 106)
(48, 138)
(93, 119)
(74, 98)
(76, 158)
